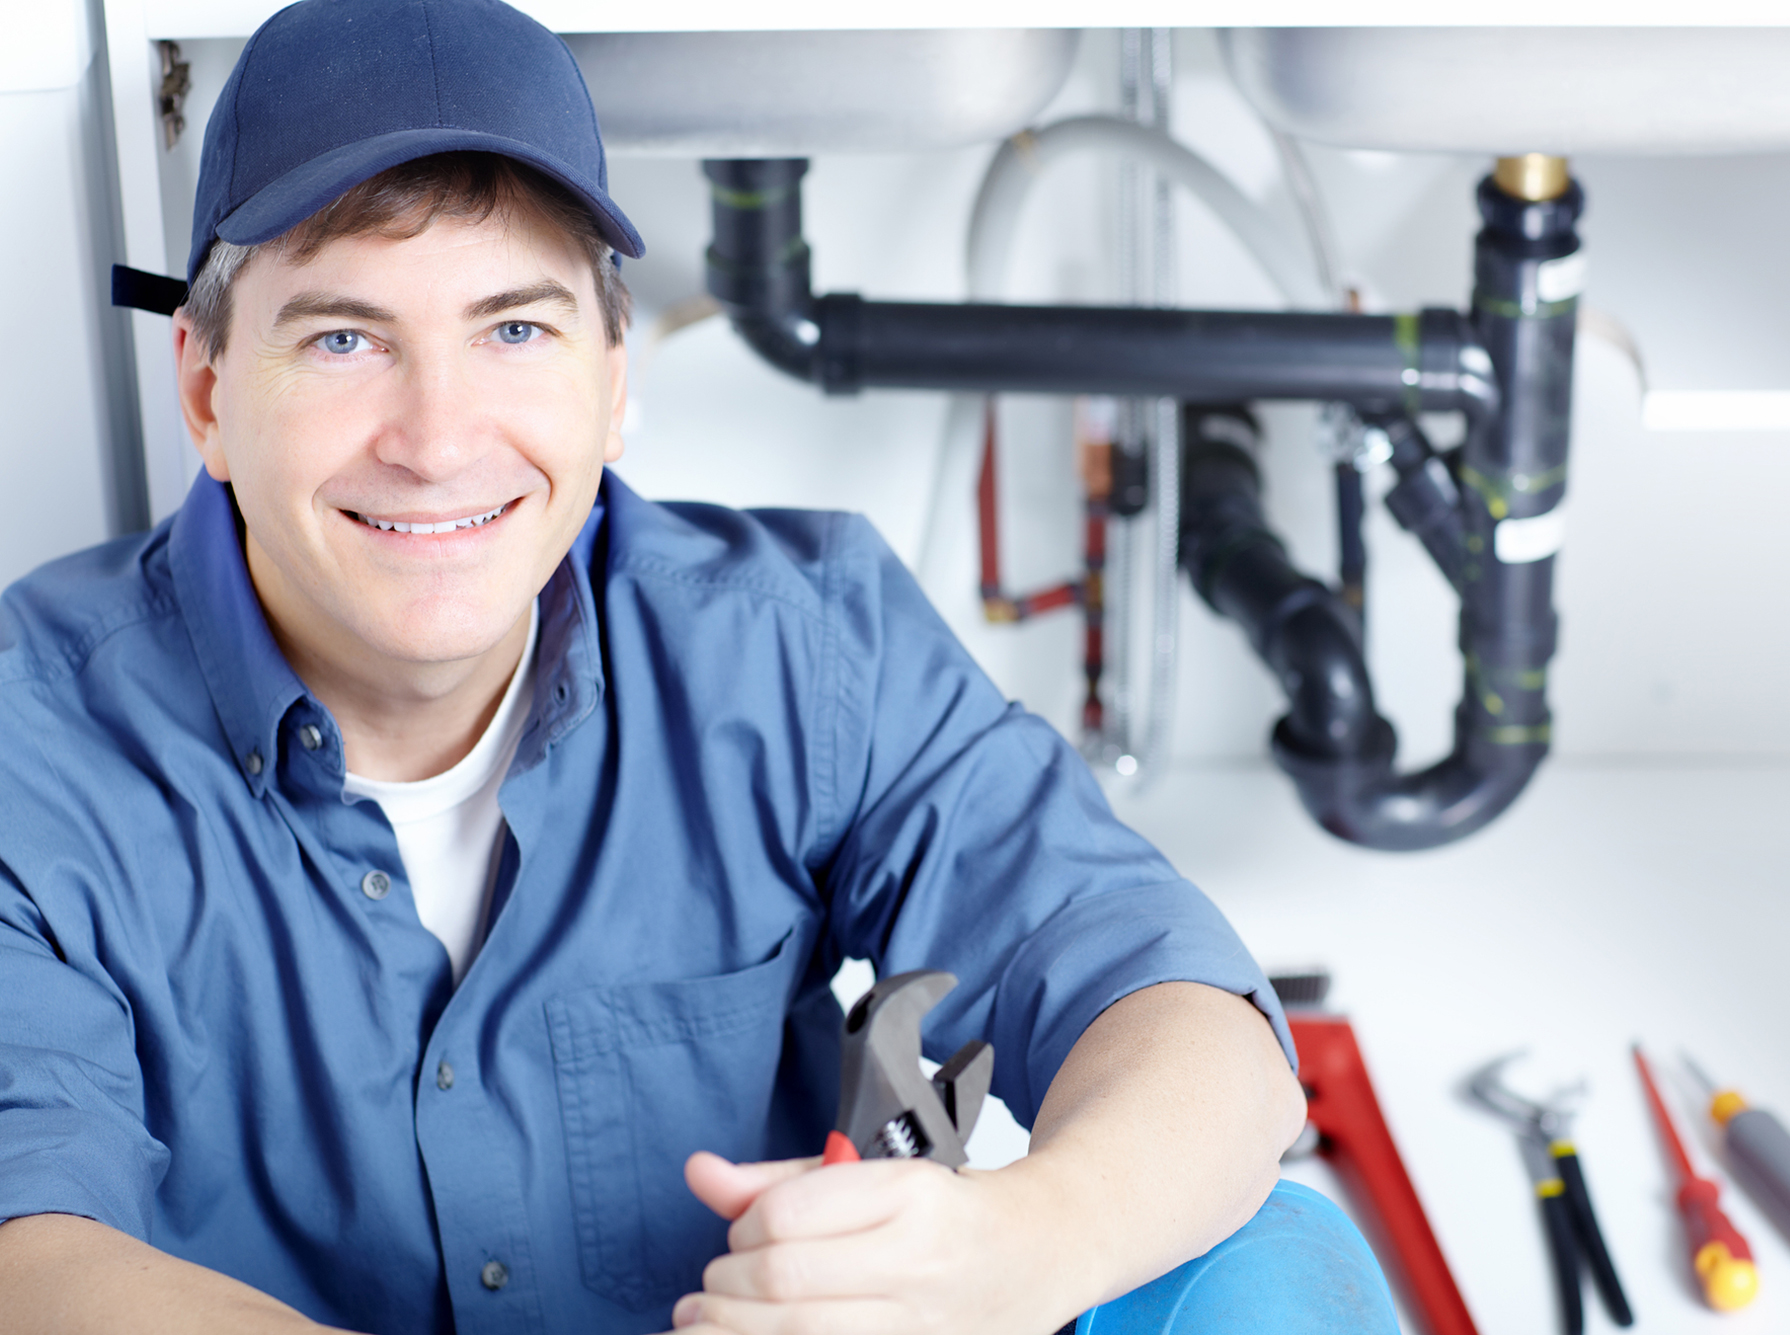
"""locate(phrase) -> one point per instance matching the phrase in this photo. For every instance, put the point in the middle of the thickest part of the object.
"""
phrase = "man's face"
(414, 431)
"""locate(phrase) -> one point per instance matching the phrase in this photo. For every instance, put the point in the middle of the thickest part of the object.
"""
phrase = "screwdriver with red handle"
(1719, 1255)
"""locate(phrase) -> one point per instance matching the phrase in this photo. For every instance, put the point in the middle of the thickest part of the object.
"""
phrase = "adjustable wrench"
(887, 1108)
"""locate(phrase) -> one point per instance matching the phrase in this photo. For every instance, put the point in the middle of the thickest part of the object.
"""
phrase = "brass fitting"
(1533, 177)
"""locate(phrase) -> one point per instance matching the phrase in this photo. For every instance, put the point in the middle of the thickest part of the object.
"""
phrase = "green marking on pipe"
(747, 200)
(1479, 679)
(1515, 310)
(1475, 543)
(1534, 484)
(1488, 491)
(1497, 491)
(1405, 335)
(1515, 735)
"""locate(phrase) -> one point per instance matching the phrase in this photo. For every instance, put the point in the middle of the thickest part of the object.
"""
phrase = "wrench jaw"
(962, 1084)
(887, 1108)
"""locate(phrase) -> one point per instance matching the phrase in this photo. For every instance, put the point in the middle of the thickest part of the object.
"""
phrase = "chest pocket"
(648, 1074)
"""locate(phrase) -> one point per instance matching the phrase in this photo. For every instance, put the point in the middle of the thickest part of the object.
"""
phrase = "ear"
(198, 380)
(617, 367)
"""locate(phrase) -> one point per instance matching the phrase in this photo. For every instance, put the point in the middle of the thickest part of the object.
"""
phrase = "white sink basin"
(1521, 90)
(791, 94)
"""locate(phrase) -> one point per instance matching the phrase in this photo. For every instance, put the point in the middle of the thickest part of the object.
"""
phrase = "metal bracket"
(170, 98)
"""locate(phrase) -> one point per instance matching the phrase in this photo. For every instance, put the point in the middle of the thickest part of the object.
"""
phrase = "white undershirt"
(450, 828)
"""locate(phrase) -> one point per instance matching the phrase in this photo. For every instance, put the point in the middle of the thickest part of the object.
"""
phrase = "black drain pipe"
(1513, 473)
(1508, 367)
(758, 270)
(1304, 630)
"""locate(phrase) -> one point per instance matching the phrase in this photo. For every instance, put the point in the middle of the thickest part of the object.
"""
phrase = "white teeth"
(445, 526)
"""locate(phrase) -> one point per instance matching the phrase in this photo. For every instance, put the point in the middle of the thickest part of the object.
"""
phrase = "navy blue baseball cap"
(328, 93)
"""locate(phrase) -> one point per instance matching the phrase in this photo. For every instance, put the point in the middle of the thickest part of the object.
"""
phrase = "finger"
(855, 1265)
(745, 1316)
(843, 1198)
(728, 1188)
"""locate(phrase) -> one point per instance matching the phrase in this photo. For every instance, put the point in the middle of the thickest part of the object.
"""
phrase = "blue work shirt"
(754, 750)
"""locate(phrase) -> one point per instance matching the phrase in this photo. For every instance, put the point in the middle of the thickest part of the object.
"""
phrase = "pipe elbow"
(1361, 799)
(789, 341)
(1330, 698)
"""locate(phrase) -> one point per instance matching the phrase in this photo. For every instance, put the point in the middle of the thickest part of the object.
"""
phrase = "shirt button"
(444, 1076)
(310, 737)
(253, 762)
(375, 885)
(495, 1275)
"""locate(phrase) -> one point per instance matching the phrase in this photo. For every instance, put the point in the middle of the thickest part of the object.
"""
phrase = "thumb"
(729, 1188)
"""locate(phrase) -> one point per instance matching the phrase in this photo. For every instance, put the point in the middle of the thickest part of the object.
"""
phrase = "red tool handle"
(839, 1149)
(1704, 1221)
(1719, 1255)
(1355, 1138)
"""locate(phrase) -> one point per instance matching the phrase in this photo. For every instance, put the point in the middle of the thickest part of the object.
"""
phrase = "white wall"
(56, 425)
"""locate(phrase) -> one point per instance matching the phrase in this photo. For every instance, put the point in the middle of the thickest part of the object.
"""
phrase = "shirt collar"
(251, 684)
(253, 687)
(569, 678)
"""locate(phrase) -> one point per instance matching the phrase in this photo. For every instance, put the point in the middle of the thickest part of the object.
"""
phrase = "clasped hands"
(885, 1245)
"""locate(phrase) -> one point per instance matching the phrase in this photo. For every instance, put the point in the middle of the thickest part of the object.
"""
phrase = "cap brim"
(281, 205)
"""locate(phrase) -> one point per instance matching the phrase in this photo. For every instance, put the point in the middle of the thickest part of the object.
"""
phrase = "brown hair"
(404, 201)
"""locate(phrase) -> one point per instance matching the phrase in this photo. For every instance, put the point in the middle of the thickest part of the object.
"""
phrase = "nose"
(433, 422)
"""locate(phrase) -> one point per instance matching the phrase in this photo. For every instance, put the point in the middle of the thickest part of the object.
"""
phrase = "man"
(425, 860)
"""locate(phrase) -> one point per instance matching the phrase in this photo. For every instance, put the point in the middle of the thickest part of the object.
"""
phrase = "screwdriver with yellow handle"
(1756, 1139)
(1719, 1255)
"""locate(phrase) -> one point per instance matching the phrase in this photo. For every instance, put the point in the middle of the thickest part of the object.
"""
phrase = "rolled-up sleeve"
(973, 838)
(72, 1133)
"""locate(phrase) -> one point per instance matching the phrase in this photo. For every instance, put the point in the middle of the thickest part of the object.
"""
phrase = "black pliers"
(1553, 1165)
(888, 1109)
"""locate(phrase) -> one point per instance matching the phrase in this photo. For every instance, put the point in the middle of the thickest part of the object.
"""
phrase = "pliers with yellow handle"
(1553, 1164)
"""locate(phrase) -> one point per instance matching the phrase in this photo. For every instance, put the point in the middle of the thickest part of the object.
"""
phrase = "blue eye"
(341, 342)
(516, 331)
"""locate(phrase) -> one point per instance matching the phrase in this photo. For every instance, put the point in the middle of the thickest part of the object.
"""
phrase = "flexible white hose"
(1024, 157)
(1303, 187)
(993, 222)
(953, 480)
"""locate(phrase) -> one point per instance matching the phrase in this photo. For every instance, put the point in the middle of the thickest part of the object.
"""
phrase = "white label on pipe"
(1518, 541)
(1561, 279)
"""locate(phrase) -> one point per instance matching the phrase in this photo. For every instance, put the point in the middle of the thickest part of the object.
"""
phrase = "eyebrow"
(307, 305)
(547, 291)
(328, 305)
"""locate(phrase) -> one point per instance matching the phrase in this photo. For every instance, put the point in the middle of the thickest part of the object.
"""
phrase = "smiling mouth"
(440, 526)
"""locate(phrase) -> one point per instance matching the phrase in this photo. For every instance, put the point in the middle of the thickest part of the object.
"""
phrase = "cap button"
(375, 885)
(252, 762)
(310, 737)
